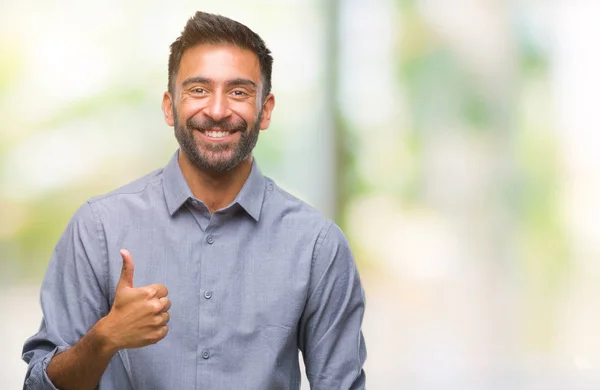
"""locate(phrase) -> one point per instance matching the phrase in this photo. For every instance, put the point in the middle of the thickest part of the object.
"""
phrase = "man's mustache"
(228, 125)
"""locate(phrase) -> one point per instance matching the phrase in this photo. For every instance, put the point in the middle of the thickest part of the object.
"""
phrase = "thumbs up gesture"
(138, 316)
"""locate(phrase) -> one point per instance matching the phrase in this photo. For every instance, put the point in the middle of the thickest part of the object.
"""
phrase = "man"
(232, 275)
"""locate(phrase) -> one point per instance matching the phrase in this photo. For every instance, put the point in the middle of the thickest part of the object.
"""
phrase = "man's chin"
(217, 165)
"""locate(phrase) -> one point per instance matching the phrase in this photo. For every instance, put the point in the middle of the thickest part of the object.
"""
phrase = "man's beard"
(200, 153)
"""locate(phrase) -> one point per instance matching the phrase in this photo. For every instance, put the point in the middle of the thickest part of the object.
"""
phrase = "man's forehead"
(219, 61)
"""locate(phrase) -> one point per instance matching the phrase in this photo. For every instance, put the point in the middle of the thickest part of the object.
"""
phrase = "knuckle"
(159, 334)
(150, 292)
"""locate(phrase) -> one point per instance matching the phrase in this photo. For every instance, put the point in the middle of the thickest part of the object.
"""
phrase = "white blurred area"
(477, 240)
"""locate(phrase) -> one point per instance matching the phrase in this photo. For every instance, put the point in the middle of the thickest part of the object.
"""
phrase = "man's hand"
(138, 316)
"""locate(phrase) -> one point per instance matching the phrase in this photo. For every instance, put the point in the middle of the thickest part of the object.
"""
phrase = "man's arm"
(138, 318)
(73, 296)
(330, 335)
(81, 366)
(79, 335)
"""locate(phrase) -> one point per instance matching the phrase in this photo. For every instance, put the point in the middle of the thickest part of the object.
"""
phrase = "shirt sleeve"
(72, 295)
(330, 335)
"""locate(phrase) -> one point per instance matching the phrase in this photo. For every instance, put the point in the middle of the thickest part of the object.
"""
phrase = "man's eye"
(237, 92)
(198, 90)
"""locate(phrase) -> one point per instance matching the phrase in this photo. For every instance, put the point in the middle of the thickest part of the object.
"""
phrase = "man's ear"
(268, 106)
(167, 107)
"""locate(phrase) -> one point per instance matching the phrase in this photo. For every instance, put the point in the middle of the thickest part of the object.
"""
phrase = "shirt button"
(205, 355)
(207, 294)
(210, 239)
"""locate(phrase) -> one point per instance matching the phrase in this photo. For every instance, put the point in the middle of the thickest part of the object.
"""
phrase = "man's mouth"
(216, 134)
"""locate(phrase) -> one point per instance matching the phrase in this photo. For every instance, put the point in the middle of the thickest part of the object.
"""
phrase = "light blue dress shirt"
(250, 285)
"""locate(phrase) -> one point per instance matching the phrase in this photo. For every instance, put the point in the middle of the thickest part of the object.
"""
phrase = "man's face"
(217, 109)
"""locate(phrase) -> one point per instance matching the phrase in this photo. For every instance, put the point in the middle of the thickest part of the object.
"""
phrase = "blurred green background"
(454, 142)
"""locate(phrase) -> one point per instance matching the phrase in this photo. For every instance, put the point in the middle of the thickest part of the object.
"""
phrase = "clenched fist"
(138, 316)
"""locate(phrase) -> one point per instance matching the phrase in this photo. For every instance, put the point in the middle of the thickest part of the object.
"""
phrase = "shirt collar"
(177, 191)
(176, 188)
(252, 194)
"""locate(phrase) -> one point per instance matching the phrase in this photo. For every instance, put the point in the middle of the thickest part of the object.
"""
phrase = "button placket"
(208, 309)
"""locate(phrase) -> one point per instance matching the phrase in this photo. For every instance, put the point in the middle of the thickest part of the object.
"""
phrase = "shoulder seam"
(101, 241)
(323, 234)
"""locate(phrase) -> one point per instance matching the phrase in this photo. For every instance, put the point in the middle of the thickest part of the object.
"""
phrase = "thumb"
(126, 279)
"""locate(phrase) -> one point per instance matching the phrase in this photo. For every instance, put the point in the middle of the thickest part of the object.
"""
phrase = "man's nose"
(218, 107)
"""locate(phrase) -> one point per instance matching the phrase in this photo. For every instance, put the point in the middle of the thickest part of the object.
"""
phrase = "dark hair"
(216, 29)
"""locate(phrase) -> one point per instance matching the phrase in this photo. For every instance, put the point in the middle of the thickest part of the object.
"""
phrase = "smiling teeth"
(217, 134)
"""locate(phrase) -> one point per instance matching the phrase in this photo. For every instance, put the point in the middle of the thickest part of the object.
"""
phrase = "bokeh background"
(454, 141)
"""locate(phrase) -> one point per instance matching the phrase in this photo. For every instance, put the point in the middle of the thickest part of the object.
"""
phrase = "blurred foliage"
(441, 92)
(10, 65)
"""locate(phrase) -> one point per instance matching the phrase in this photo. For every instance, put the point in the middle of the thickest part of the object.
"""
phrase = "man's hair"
(205, 28)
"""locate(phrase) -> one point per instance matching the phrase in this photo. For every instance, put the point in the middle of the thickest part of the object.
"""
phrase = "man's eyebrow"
(196, 80)
(230, 83)
(239, 82)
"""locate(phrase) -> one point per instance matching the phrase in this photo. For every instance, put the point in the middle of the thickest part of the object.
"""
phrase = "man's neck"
(215, 190)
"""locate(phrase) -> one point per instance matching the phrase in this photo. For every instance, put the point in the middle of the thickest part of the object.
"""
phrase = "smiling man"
(233, 276)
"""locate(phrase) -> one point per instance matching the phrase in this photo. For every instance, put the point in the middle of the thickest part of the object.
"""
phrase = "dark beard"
(243, 149)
